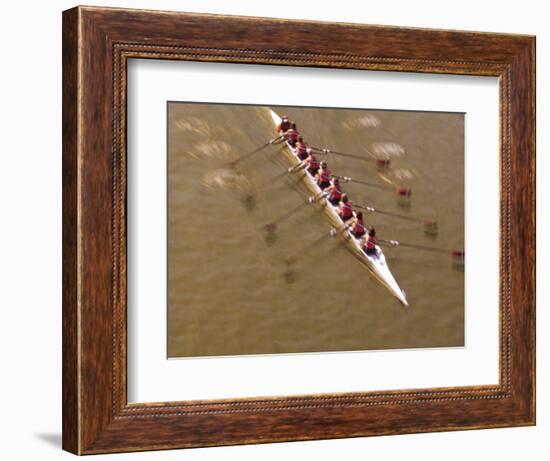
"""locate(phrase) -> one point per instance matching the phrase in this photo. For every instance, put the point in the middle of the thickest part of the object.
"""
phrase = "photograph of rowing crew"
(277, 278)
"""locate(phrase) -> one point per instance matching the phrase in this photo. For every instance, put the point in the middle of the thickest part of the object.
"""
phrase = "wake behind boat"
(374, 260)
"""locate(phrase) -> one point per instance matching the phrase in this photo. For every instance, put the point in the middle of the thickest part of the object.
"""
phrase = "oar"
(401, 191)
(258, 149)
(249, 198)
(272, 180)
(295, 168)
(430, 224)
(454, 253)
(332, 233)
(270, 227)
(338, 230)
(380, 162)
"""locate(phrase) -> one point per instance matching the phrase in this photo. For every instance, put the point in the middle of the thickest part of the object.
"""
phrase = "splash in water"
(219, 150)
(387, 150)
(399, 176)
(226, 179)
(367, 121)
(194, 124)
(404, 174)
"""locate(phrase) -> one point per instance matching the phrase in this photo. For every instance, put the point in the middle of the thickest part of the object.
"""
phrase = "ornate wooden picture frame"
(97, 44)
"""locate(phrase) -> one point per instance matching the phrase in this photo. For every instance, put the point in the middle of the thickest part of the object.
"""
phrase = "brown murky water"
(227, 289)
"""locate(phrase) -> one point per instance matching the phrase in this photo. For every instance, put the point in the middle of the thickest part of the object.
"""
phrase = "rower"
(346, 211)
(292, 135)
(284, 125)
(334, 192)
(358, 226)
(323, 176)
(312, 163)
(369, 242)
(302, 150)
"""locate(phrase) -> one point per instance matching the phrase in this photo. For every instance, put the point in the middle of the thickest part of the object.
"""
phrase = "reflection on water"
(237, 287)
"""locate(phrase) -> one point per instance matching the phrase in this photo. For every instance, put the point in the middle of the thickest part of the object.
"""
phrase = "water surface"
(229, 289)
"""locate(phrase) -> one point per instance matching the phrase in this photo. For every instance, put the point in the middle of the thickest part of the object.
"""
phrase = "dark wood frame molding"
(97, 43)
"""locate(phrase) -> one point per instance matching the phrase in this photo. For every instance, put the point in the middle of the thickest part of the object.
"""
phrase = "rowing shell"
(376, 263)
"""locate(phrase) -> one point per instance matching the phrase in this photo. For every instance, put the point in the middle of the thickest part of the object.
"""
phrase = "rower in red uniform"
(346, 211)
(369, 242)
(323, 176)
(358, 227)
(292, 135)
(284, 125)
(312, 163)
(334, 192)
(302, 150)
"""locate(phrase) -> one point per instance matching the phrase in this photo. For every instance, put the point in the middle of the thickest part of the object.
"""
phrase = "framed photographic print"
(287, 230)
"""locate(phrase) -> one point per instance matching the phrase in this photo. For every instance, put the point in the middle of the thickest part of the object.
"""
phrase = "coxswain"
(284, 125)
(292, 135)
(358, 227)
(334, 192)
(323, 176)
(346, 211)
(369, 242)
(302, 150)
(312, 163)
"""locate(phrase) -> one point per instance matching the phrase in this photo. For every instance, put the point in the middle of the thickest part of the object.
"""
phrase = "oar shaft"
(404, 192)
(299, 166)
(389, 213)
(424, 247)
(310, 246)
(273, 179)
(395, 243)
(365, 183)
(258, 149)
(337, 231)
(289, 213)
(343, 154)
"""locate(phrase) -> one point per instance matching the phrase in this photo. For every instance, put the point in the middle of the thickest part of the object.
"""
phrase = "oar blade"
(290, 276)
(383, 163)
(404, 192)
(431, 227)
(270, 227)
(249, 201)
(458, 256)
